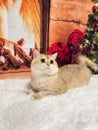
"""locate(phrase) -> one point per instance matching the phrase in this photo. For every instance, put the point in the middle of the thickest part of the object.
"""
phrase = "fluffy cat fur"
(47, 79)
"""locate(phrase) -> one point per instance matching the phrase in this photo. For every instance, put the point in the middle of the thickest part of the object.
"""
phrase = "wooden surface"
(23, 72)
(45, 17)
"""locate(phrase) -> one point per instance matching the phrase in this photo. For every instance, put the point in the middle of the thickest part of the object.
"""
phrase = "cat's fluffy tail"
(84, 60)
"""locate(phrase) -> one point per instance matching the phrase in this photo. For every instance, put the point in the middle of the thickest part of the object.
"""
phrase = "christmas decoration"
(68, 51)
(73, 43)
(74, 40)
(64, 53)
(90, 41)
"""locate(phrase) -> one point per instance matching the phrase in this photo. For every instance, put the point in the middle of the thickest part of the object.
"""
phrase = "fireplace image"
(21, 29)
(15, 24)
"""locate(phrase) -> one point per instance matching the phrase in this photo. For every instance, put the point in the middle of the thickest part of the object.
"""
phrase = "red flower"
(74, 41)
(94, 9)
(95, 24)
(83, 51)
(67, 52)
(64, 54)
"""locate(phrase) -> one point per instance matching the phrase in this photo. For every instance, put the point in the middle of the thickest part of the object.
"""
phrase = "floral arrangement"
(64, 53)
(67, 52)
(90, 41)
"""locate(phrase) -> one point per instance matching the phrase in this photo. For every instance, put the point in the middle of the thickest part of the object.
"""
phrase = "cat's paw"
(36, 96)
(28, 91)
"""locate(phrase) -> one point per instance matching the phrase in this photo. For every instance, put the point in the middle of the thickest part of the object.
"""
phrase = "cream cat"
(47, 79)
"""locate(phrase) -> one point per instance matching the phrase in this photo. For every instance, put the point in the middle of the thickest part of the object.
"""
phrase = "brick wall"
(66, 15)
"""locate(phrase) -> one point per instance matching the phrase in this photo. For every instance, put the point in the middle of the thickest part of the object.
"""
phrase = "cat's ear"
(36, 53)
(54, 55)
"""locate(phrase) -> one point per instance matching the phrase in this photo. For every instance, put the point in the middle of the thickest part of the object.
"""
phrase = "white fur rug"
(75, 110)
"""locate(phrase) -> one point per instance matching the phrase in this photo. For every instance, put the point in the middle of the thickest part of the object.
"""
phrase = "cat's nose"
(48, 64)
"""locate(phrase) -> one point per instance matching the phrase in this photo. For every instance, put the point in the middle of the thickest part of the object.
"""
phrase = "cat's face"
(45, 64)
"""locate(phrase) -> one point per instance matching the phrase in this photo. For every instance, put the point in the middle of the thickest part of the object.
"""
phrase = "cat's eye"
(43, 60)
(51, 61)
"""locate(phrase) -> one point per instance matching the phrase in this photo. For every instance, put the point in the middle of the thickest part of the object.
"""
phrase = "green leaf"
(95, 15)
(91, 19)
(96, 35)
(95, 1)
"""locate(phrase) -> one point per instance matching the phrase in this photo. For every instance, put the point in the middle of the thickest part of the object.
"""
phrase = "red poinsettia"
(67, 52)
(74, 41)
(64, 54)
